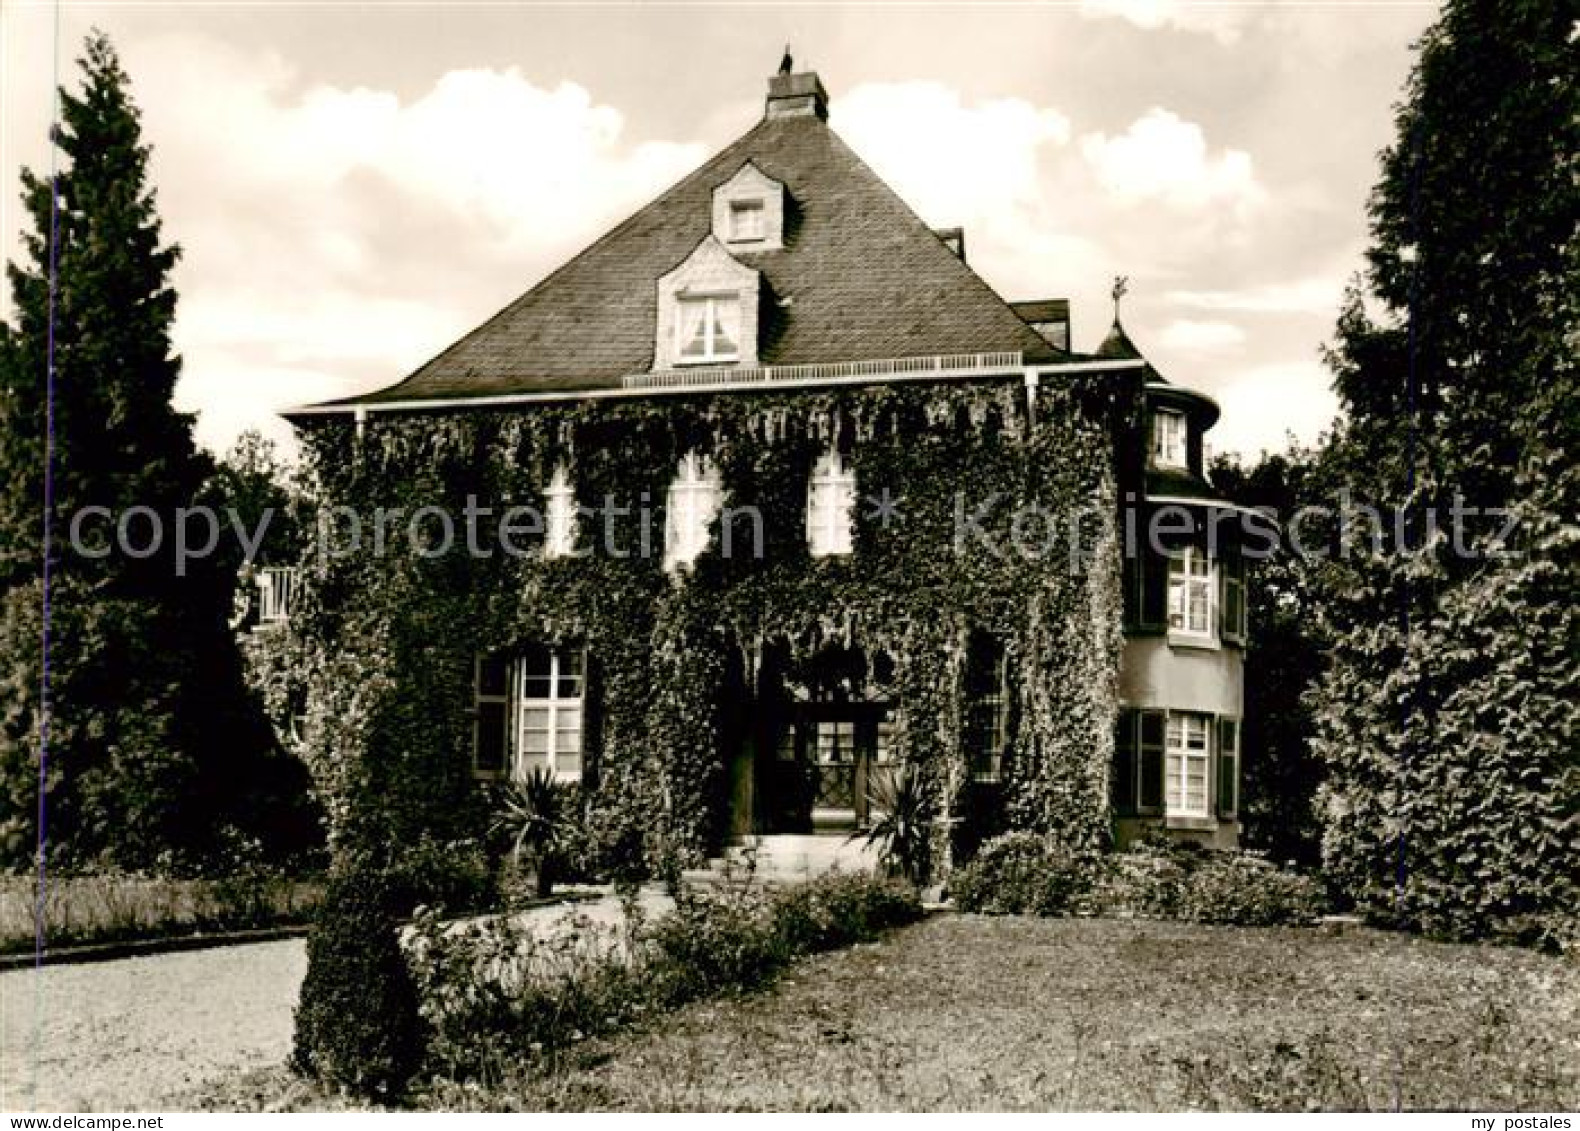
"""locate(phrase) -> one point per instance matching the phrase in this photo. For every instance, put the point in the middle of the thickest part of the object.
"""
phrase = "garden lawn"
(974, 1012)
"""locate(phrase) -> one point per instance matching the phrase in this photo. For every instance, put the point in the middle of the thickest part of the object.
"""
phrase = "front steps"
(786, 859)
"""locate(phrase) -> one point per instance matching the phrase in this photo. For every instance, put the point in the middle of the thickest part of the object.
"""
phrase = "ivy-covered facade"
(758, 508)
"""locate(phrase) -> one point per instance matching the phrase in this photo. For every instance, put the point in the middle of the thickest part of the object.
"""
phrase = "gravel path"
(114, 1036)
(135, 1032)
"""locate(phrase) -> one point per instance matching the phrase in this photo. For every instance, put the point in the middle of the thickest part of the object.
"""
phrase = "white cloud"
(1224, 22)
(1315, 295)
(232, 393)
(991, 167)
(336, 237)
(1162, 157)
(307, 327)
(1188, 334)
(948, 159)
(1263, 406)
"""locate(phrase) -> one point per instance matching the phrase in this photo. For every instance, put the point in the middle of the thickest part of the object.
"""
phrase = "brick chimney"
(795, 96)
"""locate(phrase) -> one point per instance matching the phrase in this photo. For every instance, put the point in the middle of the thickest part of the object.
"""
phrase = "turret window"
(1186, 765)
(1169, 438)
(1193, 591)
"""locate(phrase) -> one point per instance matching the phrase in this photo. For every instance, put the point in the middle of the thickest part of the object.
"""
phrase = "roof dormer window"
(708, 329)
(748, 222)
(749, 211)
(708, 308)
(1169, 438)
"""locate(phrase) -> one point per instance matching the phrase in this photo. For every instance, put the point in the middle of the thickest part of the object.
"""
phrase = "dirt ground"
(146, 1033)
(121, 1035)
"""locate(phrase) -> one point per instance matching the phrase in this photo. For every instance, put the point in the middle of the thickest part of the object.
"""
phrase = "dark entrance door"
(827, 761)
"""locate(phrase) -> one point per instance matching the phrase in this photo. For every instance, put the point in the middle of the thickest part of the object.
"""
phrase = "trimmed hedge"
(1021, 874)
(357, 1026)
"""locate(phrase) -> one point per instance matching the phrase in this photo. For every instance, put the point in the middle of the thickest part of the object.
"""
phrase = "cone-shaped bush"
(357, 1026)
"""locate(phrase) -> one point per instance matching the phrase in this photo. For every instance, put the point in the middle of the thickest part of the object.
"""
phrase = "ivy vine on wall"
(383, 638)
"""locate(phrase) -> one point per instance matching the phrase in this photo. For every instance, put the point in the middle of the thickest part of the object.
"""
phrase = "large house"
(805, 511)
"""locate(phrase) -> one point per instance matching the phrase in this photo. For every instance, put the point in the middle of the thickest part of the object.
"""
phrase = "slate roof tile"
(860, 277)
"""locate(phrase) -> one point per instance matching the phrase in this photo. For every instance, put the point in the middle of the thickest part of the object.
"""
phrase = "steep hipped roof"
(860, 277)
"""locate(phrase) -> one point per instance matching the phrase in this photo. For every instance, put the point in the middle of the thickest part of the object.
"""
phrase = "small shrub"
(711, 944)
(1020, 873)
(451, 874)
(1164, 880)
(1143, 884)
(357, 1024)
(837, 910)
(494, 994)
(1243, 890)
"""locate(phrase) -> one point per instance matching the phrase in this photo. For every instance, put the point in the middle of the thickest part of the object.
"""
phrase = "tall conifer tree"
(154, 743)
(1449, 715)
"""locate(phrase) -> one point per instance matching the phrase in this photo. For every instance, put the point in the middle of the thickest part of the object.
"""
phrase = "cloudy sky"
(354, 185)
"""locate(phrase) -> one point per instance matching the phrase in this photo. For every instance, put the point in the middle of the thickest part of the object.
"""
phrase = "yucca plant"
(538, 819)
(900, 831)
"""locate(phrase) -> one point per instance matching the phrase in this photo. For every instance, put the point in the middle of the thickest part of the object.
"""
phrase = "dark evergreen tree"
(155, 746)
(1449, 715)
(1280, 772)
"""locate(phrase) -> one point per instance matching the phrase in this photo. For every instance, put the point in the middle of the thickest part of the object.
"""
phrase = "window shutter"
(1124, 783)
(1131, 575)
(1149, 744)
(1228, 765)
(1245, 599)
(1231, 602)
(1154, 597)
(490, 717)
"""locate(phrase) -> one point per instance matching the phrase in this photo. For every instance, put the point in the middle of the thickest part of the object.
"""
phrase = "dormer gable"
(749, 211)
(708, 311)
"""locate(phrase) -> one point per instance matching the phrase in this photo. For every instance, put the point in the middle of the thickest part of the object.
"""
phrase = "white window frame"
(559, 514)
(554, 705)
(844, 739)
(710, 305)
(831, 506)
(1193, 588)
(276, 593)
(748, 206)
(1179, 756)
(1170, 438)
(694, 501)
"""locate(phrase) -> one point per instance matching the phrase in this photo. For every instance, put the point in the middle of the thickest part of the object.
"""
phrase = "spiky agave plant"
(537, 816)
(901, 826)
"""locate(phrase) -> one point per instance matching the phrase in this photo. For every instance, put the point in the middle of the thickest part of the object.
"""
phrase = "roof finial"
(1121, 288)
(787, 64)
